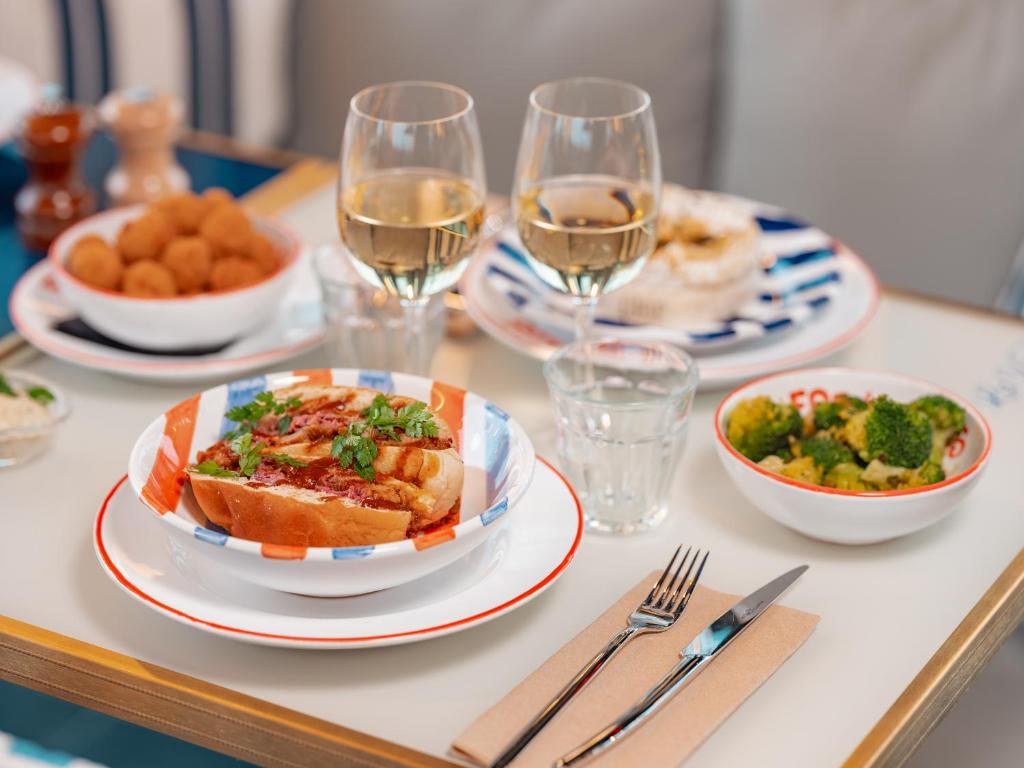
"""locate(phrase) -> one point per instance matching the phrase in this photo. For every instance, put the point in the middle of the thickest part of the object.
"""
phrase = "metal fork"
(656, 613)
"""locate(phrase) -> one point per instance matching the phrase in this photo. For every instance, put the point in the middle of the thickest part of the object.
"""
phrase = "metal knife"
(705, 647)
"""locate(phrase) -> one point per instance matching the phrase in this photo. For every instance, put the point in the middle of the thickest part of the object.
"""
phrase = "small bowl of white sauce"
(30, 410)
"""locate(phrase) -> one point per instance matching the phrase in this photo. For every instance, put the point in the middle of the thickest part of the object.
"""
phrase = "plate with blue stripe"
(812, 294)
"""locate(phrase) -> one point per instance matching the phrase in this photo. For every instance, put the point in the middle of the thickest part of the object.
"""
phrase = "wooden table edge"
(267, 734)
(185, 707)
(947, 674)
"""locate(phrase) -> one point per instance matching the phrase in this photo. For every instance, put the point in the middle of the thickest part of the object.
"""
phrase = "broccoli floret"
(803, 469)
(828, 415)
(825, 450)
(942, 412)
(947, 419)
(759, 427)
(837, 412)
(928, 473)
(890, 432)
(847, 477)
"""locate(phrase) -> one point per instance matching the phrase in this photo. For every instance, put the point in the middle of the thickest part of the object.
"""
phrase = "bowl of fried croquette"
(186, 272)
(851, 456)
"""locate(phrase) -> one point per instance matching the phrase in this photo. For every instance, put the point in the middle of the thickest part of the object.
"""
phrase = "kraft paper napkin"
(671, 735)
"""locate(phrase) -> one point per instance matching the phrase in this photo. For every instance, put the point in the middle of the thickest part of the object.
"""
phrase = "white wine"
(411, 231)
(586, 235)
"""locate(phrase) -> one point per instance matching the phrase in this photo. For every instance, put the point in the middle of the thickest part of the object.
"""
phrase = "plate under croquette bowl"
(853, 517)
(498, 463)
(201, 321)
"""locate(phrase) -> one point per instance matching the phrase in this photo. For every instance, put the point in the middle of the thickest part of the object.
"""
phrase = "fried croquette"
(185, 210)
(94, 262)
(182, 244)
(86, 240)
(233, 272)
(262, 251)
(214, 198)
(145, 237)
(190, 259)
(149, 279)
(227, 229)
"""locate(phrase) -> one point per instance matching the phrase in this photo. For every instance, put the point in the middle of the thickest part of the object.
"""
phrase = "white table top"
(885, 608)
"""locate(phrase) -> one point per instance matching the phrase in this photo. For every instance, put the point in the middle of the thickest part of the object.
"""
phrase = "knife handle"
(636, 715)
(574, 686)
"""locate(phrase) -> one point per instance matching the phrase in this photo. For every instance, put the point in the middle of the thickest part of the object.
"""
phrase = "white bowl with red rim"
(497, 456)
(853, 517)
(202, 320)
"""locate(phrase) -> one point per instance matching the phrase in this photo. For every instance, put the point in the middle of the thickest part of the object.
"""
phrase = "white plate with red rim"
(296, 325)
(497, 458)
(534, 330)
(843, 516)
(507, 571)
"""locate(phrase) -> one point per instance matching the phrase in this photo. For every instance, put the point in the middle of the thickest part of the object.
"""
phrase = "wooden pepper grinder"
(52, 139)
(145, 126)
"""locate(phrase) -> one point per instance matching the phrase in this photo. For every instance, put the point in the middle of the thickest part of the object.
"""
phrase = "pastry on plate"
(329, 466)
(705, 265)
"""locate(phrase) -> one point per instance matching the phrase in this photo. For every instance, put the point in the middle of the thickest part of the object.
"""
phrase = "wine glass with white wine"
(587, 188)
(411, 194)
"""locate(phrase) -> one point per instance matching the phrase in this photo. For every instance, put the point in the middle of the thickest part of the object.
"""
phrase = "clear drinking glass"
(587, 187)
(365, 325)
(621, 412)
(411, 194)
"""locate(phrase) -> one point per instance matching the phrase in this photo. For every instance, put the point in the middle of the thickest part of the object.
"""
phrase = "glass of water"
(621, 412)
(365, 326)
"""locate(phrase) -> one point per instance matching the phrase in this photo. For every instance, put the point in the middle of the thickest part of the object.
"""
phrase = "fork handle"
(574, 686)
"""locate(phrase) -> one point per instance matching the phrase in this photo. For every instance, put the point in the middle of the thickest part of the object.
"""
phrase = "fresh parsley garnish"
(413, 419)
(248, 415)
(416, 421)
(284, 458)
(382, 417)
(210, 467)
(354, 449)
(248, 453)
(40, 395)
(284, 424)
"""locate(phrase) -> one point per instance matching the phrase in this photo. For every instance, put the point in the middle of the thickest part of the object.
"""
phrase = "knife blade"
(705, 647)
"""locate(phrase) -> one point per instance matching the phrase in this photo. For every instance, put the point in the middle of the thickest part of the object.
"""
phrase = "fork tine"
(693, 584)
(657, 586)
(672, 584)
(671, 604)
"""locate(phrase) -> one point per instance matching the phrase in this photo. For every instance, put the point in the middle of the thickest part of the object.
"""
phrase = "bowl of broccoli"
(851, 456)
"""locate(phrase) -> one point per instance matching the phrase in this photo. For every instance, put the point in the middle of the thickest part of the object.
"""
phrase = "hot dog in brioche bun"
(330, 466)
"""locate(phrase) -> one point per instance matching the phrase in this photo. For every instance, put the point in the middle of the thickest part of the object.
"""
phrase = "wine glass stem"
(583, 315)
(415, 311)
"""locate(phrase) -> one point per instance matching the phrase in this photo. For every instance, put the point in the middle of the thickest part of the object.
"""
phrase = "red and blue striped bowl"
(497, 454)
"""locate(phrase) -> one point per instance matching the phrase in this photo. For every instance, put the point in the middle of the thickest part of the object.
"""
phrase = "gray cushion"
(499, 51)
(898, 127)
